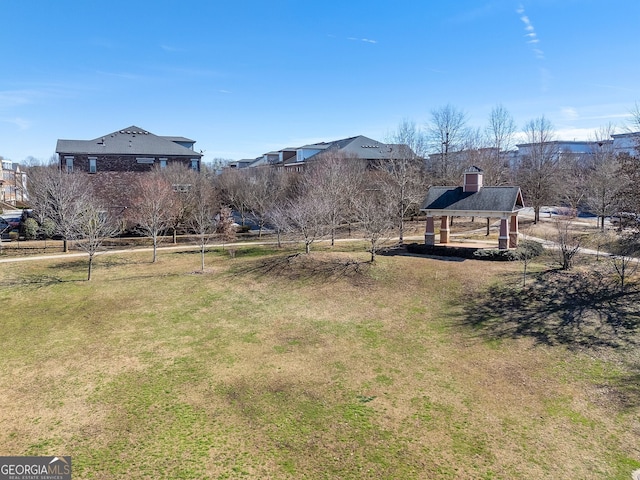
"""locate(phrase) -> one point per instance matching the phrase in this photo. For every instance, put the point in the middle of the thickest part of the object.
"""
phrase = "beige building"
(13, 183)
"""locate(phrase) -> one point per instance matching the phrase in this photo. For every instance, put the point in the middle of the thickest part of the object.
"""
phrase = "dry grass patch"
(295, 366)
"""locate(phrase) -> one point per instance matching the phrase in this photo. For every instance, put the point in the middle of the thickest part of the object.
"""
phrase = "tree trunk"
(90, 266)
(488, 225)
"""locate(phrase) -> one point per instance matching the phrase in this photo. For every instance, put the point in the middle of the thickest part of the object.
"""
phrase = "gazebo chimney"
(472, 180)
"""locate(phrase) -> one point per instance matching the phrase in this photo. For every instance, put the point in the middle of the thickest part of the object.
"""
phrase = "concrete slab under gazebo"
(473, 200)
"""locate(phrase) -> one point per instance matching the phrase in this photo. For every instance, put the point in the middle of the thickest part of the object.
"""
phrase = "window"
(181, 187)
(145, 160)
(69, 164)
(194, 164)
(93, 164)
(163, 163)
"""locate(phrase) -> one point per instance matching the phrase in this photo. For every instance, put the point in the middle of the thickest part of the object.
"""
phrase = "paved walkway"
(419, 238)
(30, 258)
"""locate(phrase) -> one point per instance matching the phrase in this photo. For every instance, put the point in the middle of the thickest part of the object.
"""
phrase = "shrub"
(530, 248)
(496, 254)
(48, 228)
(30, 228)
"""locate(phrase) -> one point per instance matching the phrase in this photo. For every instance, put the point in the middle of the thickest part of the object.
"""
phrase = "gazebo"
(473, 200)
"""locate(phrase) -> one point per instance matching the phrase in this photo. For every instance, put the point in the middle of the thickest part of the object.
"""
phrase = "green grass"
(315, 368)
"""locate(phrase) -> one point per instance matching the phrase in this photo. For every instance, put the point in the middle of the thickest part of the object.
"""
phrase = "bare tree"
(572, 175)
(266, 187)
(527, 250)
(226, 227)
(375, 215)
(334, 180)
(603, 184)
(203, 210)
(182, 180)
(154, 207)
(215, 166)
(567, 242)
(624, 260)
(94, 226)
(538, 168)
(279, 218)
(405, 172)
(306, 215)
(628, 176)
(446, 133)
(494, 159)
(634, 122)
(629, 168)
(233, 185)
(58, 196)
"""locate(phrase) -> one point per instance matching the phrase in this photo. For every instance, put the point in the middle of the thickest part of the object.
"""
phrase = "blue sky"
(243, 77)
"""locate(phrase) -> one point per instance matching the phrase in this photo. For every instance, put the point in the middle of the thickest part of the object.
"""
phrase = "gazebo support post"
(503, 239)
(429, 234)
(444, 229)
(513, 232)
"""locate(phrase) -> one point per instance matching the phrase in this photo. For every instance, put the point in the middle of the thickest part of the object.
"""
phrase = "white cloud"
(21, 123)
(32, 96)
(125, 75)
(530, 33)
(570, 113)
(14, 98)
(572, 133)
(366, 40)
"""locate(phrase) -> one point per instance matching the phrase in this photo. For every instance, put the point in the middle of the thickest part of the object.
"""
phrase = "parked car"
(5, 227)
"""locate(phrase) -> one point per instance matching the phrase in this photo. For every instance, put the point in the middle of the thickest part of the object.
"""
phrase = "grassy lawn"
(274, 365)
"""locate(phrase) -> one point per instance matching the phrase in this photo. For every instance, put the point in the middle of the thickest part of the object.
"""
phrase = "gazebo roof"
(488, 201)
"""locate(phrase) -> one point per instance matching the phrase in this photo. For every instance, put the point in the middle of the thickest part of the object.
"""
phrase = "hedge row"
(528, 248)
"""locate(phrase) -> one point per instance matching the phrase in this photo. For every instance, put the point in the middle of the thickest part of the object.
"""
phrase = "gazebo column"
(513, 232)
(444, 229)
(430, 233)
(503, 239)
